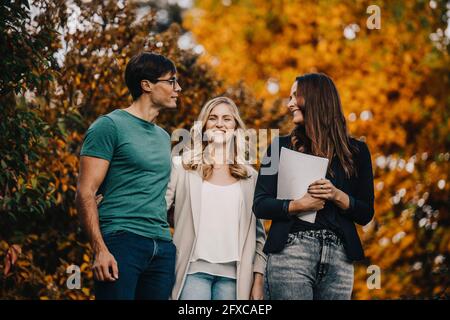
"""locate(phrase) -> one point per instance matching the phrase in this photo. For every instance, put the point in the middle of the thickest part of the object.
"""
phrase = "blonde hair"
(195, 157)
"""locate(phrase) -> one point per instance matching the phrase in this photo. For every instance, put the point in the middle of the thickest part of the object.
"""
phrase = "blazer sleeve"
(361, 208)
(265, 203)
(259, 263)
(260, 260)
(171, 187)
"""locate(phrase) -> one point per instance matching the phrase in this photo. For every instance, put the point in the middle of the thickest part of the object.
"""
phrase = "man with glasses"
(126, 157)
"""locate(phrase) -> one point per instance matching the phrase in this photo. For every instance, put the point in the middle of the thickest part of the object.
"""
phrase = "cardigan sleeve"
(172, 185)
(260, 259)
(259, 263)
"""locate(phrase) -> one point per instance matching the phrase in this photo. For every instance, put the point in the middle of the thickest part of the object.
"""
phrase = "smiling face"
(220, 124)
(296, 104)
(164, 92)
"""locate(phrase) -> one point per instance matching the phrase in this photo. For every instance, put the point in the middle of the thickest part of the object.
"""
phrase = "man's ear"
(146, 86)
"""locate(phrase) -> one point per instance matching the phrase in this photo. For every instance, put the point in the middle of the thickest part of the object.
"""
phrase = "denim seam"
(155, 249)
(266, 275)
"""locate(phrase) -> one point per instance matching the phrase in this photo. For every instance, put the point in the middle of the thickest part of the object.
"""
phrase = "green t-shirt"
(136, 182)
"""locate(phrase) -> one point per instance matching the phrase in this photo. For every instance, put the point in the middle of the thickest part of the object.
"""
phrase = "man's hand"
(98, 198)
(105, 266)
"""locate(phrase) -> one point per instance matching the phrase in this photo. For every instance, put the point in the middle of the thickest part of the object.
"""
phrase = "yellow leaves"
(124, 91)
(429, 101)
(72, 295)
(85, 267)
(48, 279)
(59, 198)
(406, 242)
(60, 143)
(72, 211)
(383, 72)
(444, 246)
(64, 245)
(23, 263)
(86, 291)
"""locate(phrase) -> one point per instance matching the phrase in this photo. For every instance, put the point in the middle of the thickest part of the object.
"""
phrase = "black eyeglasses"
(173, 81)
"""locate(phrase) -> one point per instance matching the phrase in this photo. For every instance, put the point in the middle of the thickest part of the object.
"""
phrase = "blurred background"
(62, 65)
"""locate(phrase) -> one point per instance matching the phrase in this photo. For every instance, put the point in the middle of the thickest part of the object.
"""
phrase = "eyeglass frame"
(173, 81)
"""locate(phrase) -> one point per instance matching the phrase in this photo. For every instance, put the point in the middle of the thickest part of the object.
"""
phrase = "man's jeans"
(313, 265)
(203, 286)
(146, 268)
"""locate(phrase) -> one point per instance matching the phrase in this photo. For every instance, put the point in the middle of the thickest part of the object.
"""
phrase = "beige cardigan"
(184, 191)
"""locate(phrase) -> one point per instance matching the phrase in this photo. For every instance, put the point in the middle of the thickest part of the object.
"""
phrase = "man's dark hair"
(146, 66)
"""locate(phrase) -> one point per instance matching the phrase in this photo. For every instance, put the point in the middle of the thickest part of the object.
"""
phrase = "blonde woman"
(219, 241)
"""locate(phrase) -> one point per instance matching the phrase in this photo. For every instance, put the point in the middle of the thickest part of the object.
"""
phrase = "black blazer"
(359, 189)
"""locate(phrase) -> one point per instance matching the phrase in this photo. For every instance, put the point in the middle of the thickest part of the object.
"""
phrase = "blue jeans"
(203, 286)
(312, 266)
(146, 268)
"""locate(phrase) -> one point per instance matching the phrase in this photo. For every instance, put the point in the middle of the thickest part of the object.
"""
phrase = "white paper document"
(296, 172)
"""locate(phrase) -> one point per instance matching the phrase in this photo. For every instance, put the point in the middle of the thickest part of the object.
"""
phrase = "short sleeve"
(100, 139)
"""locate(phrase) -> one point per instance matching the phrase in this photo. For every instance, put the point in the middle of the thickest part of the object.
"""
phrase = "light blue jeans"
(203, 286)
(312, 266)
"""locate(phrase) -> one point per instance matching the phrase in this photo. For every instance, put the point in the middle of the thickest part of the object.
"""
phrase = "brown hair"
(324, 132)
(146, 66)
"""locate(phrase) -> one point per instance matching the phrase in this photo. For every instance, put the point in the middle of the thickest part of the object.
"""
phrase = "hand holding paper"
(295, 173)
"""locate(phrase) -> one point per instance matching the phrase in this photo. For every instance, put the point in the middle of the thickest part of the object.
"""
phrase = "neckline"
(137, 118)
(218, 185)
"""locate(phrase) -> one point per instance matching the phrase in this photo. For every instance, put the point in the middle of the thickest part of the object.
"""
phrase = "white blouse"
(218, 232)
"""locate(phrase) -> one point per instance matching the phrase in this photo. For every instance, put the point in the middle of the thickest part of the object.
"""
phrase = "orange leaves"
(30, 280)
(86, 291)
(396, 73)
(11, 257)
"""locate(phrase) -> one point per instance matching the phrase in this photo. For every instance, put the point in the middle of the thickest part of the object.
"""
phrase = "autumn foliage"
(393, 84)
(47, 108)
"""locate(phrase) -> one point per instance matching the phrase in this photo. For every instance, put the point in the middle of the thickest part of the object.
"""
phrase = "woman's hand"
(306, 203)
(323, 189)
(257, 292)
(98, 199)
